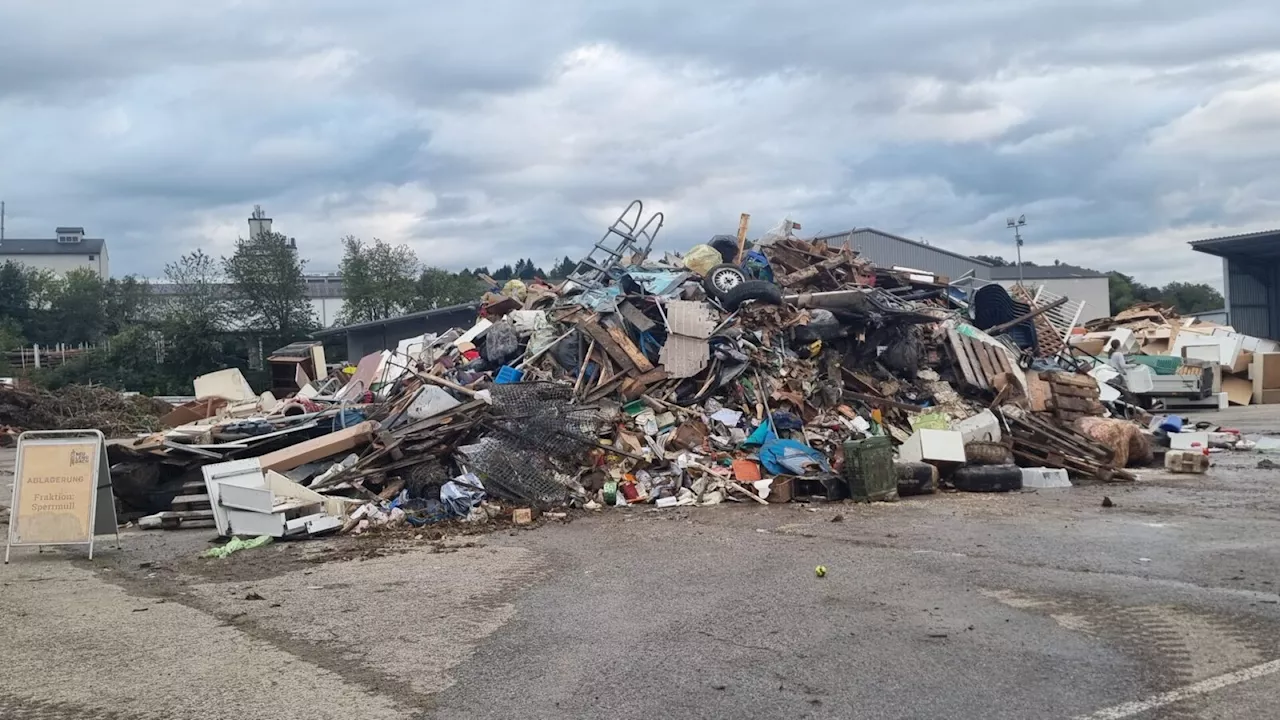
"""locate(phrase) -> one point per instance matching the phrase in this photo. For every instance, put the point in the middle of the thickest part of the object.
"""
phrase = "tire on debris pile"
(757, 290)
(987, 478)
(722, 278)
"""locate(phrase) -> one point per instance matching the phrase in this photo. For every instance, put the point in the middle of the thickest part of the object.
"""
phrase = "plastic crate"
(508, 375)
(869, 470)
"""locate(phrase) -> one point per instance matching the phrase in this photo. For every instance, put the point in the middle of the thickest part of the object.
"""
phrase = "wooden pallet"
(978, 363)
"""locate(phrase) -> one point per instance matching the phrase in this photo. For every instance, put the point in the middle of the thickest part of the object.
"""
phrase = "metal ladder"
(633, 238)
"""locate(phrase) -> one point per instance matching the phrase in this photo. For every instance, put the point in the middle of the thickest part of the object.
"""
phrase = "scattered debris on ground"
(774, 371)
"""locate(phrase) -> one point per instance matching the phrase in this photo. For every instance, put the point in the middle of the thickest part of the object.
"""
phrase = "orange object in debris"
(746, 470)
(877, 416)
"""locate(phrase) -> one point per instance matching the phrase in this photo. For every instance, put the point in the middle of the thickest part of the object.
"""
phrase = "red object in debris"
(630, 492)
(746, 470)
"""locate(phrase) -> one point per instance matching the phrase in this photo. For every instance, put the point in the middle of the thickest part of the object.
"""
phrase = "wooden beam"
(743, 221)
(637, 357)
(607, 343)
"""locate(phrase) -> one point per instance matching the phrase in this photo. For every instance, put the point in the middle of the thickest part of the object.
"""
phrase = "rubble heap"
(78, 406)
(761, 372)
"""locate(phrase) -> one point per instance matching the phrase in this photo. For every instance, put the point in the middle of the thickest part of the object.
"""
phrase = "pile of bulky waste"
(766, 371)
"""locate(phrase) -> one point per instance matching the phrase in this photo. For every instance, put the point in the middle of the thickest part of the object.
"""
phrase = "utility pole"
(1017, 224)
(1, 221)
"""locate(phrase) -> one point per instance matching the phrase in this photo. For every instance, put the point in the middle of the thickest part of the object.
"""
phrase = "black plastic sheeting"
(993, 306)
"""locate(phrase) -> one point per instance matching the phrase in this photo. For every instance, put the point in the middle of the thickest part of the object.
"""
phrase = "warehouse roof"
(1044, 272)
(1264, 244)
(50, 246)
(899, 238)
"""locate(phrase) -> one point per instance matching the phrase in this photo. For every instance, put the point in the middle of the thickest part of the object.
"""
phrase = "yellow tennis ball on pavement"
(820, 571)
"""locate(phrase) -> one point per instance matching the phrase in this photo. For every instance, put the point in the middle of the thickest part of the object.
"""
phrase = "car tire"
(722, 278)
(987, 478)
(757, 290)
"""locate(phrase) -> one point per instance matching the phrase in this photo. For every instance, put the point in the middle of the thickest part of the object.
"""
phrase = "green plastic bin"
(868, 469)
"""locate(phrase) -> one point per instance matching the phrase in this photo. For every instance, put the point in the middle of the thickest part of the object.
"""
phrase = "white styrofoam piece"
(431, 402)
(1044, 478)
(476, 330)
(323, 524)
(1185, 440)
(244, 497)
(936, 445)
(298, 525)
(983, 426)
(244, 522)
(247, 473)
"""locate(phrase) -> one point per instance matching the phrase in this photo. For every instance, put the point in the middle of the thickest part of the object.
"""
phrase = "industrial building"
(1080, 284)
(67, 250)
(1250, 280)
(888, 250)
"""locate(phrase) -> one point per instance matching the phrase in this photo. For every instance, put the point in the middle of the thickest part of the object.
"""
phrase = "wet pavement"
(1027, 605)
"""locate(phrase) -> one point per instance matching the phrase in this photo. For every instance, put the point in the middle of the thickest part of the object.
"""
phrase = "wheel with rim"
(720, 279)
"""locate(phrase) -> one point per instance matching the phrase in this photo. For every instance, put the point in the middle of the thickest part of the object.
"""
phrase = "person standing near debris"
(1117, 360)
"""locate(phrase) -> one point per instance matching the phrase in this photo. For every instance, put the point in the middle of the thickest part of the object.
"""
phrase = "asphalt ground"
(1025, 605)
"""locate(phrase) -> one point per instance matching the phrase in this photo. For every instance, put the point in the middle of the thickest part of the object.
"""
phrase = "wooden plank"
(984, 359)
(962, 359)
(1063, 378)
(637, 357)
(655, 375)
(1002, 359)
(970, 348)
(636, 317)
(1072, 391)
(606, 341)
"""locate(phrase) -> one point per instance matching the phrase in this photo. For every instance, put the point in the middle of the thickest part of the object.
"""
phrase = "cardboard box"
(1239, 391)
(1270, 397)
(1243, 361)
(1265, 374)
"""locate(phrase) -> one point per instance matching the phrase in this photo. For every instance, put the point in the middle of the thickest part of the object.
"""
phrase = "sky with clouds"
(482, 132)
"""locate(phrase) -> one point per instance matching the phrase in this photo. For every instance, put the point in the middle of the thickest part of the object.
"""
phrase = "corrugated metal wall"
(888, 251)
(1253, 296)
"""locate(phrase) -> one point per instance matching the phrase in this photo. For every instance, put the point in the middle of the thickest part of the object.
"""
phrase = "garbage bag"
(515, 289)
(791, 457)
(458, 499)
(702, 258)
(501, 343)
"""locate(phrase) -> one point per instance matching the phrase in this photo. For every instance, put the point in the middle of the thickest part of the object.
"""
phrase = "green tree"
(194, 317)
(1126, 292)
(993, 259)
(1190, 298)
(437, 288)
(503, 273)
(378, 280)
(126, 303)
(79, 308)
(269, 291)
(563, 269)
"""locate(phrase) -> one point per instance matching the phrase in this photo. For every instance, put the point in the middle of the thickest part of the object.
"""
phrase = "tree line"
(1125, 292)
(210, 313)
